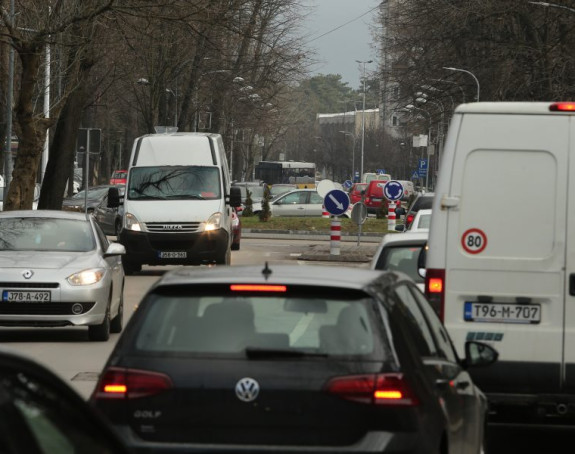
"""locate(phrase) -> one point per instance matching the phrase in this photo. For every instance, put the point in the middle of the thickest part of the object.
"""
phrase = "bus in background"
(301, 174)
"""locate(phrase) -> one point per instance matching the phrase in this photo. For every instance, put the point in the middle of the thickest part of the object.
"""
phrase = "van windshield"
(174, 183)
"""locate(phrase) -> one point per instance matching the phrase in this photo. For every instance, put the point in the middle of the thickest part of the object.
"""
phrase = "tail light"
(435, 290)
(409, 219)
(376, 389)
(120, 383)
(562, 107)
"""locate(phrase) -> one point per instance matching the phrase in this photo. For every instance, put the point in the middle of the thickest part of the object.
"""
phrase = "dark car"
(291, 359)
(421, 202)
(40, 413)
(78, 201)
(110, 218)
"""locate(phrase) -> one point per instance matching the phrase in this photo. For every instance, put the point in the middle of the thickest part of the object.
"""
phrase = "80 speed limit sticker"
(474, 241)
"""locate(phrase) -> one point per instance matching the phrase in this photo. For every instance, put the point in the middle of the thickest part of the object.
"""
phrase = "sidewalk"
(349, 250)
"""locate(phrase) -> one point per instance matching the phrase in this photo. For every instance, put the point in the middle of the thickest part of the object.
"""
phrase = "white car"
(400, 252)
(421, 222)
(301, 202)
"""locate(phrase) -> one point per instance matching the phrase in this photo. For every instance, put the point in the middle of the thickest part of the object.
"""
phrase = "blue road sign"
(347, 184)
(336, 202)
(393, 190)
(422, 168)
(415, 175)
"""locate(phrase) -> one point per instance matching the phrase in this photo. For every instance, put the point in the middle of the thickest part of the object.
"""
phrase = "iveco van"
(178, 201)
(501, 258)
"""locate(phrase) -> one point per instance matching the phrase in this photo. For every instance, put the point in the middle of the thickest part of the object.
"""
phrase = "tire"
(117, 322)
(101, 332)
(130, 267)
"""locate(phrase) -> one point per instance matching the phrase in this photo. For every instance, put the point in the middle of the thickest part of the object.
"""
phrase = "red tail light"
(435, 290)
(377, 389)
(409, 219)
(120, 383)
(257, 288)
(562, 107)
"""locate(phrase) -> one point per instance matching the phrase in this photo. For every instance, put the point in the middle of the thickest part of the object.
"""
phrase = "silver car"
(59, 269)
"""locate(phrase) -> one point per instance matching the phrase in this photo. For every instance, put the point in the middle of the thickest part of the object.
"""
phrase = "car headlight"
(87, 277)
(132, 223)
(214, 222)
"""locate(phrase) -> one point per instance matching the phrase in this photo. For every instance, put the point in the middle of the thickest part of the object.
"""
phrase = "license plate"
(28, 296)
(173, 255)
(502, 312)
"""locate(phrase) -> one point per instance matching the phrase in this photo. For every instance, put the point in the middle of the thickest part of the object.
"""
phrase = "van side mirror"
(421, 260)
(113, 198)
(235, 196)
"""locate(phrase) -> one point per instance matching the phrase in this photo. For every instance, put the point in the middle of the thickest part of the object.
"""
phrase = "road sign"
(324, 186)
(393, 190)
(381, 171)
(422, 168)
(414, 175)
(336, 202)
(359, 213)
(347, 184)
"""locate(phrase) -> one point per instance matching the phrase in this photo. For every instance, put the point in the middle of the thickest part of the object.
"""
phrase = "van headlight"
(132, 223)
(86, 277)
(214, 222)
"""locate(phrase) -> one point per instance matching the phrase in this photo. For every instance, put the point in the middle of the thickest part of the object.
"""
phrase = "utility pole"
(363, 118)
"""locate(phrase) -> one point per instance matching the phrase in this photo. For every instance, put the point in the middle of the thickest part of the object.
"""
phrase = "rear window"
(422, 203)
(232, 323)
(400, 258)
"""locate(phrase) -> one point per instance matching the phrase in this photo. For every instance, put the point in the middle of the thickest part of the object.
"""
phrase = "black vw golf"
(291, 359)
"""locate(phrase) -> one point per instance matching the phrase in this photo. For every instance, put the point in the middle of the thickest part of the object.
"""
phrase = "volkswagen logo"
(247, 389)
(28, 274)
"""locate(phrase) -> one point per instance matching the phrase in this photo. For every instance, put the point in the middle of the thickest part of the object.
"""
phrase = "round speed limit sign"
(474, 241)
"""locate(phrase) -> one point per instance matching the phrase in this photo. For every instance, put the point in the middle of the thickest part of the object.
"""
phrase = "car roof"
(322, 275)
(49, 214)
(404, 237)
(424, 212)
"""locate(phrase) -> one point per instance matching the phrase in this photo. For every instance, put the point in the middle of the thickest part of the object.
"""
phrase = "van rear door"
(505, 246)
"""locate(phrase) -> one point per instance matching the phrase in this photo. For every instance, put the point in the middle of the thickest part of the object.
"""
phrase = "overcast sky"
(347, 37)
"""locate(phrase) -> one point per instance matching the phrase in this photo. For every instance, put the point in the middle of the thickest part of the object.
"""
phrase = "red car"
(119, 177)
(355, 192)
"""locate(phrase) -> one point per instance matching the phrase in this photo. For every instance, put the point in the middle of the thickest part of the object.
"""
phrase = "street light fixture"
(553, 5)
(363, 116)
(467, 72)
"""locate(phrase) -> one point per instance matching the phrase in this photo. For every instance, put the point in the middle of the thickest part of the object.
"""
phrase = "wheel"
(118, 227)
(101, 332)
(130, 267)
(117, 322)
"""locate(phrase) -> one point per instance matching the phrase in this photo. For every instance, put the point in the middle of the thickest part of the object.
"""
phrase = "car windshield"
(228, 324)
(257, 192)
(45, 234)
(174, 183)
(401, 258)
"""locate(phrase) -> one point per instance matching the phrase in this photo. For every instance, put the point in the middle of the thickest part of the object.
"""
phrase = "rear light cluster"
(377, 389)
(409, 219)
(562, 107)
(120, 383)
(435, 290)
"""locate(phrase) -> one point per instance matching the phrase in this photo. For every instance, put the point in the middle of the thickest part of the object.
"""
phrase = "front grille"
(29, 285)
(43, 308)
(173, 227)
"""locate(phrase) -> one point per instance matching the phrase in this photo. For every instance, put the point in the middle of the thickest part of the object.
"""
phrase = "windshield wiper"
(147, 197)
(186, 196)
(257, 353)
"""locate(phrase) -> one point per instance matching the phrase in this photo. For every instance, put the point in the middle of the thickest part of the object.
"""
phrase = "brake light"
(409, 219)
(435, 290)
(257, 288)
(377, 389)
(562, 107)
(120, 383)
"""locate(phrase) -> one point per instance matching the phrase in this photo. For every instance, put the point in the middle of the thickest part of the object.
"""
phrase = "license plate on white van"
(502, 312)
(173, 255)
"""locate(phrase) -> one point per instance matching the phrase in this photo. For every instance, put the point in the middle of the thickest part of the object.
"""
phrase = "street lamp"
(553, 5)
(363, 116)
(468, 72)
(346, 133)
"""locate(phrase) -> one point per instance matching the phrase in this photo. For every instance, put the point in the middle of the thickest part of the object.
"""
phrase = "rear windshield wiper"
(256, 353)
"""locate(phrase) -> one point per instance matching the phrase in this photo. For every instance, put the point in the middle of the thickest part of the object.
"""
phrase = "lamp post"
(363, 117)
(553, 5)
(411, 107)
(467, 72)
(346, 133)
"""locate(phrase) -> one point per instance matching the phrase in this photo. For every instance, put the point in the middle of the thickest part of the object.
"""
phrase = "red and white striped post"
(324, 212)
(335, 236)
(391, 215)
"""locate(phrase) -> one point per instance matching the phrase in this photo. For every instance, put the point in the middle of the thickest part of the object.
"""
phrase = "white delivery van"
(501, 257)
(178, 201)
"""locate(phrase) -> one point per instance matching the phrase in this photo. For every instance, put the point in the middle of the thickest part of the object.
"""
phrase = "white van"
(178, 201)
(501, 258)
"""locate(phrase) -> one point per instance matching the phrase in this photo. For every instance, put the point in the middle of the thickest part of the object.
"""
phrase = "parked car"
(236, 230)
(256, 189)
(401, 253)
(59, 269)
(421, 221)
(260, 359)
(41, 413)
(422, 201)
(119, 177)
(356, 192)
(110, 218)
(281, 188)
(300, 202)
(78, 201)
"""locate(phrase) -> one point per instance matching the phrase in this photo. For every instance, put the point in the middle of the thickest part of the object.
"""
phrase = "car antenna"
(266, 271)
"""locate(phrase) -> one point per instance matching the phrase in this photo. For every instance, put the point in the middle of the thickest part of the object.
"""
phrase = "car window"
(400, 258)
(102, 237)
(316, 198)
(229, 324)
(298, 197)
(421, 333)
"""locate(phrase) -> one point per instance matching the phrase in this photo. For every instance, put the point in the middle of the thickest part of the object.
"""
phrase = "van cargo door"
(506, 247)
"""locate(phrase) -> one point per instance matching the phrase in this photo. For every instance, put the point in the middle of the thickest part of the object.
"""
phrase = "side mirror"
(235, 196)
(421, 260)
(115, 249)
(479, 354)
(113, 198)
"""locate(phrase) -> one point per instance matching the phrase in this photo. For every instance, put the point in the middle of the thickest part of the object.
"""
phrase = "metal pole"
(8, 165)
(467, 72)
(46, 110)
(87, 170)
